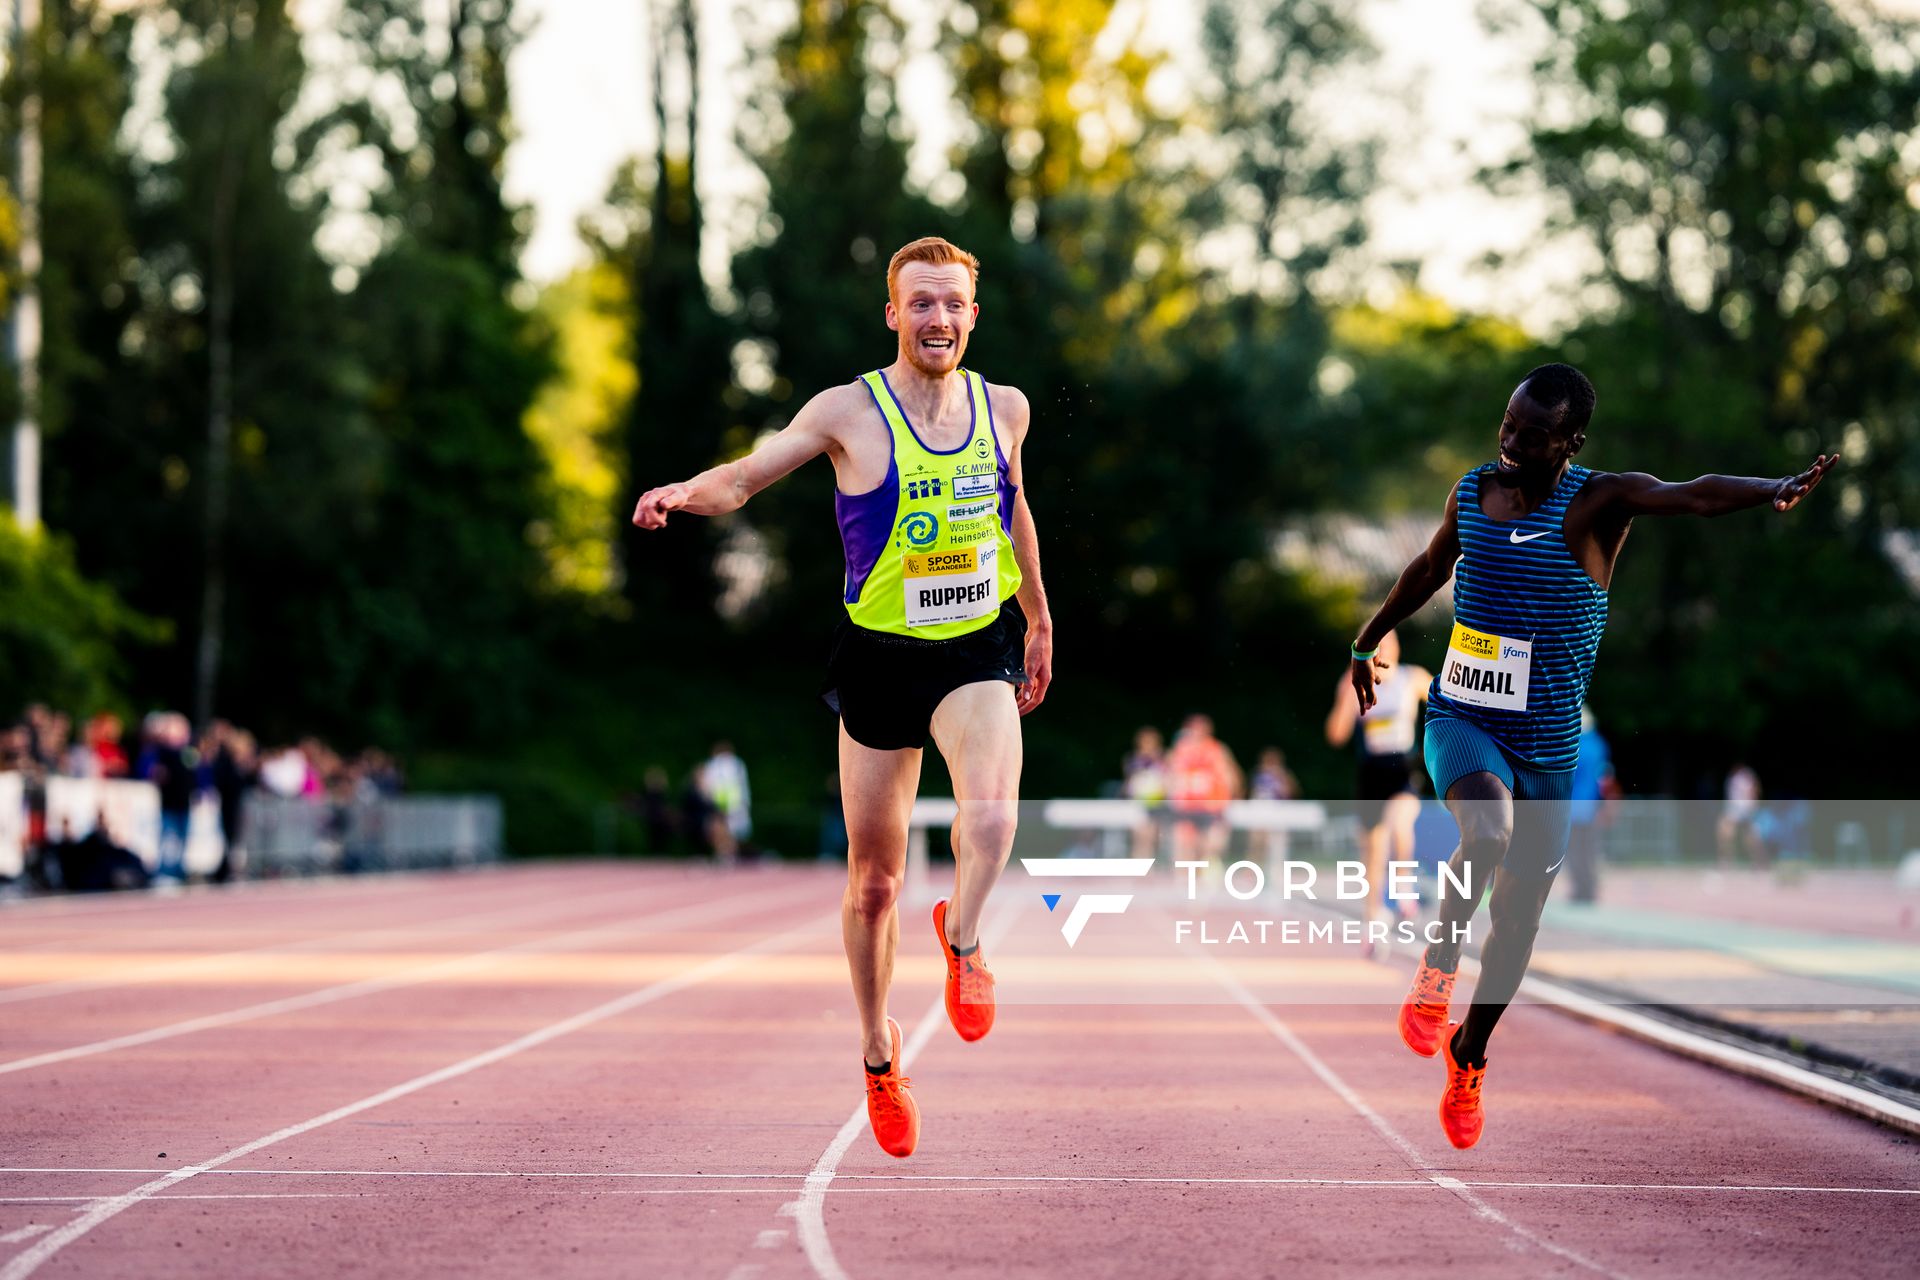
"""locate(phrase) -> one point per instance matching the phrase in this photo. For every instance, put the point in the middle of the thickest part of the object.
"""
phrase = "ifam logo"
(1087, 905)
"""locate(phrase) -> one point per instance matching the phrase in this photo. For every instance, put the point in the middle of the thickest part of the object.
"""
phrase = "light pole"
(23, 329)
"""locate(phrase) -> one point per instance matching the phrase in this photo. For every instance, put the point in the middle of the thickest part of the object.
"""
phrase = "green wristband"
(1362, 657)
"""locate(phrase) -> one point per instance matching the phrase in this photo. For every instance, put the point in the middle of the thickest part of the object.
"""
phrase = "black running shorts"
(885, 687)
(1381, 778)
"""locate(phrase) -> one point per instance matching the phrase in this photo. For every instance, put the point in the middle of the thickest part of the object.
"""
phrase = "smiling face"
(932, 309)
(1535, 441)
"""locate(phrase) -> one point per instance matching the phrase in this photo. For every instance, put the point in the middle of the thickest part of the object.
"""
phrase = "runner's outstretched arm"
(727, 487)
(1425, 574)
(1018, 416)
(1635, 493)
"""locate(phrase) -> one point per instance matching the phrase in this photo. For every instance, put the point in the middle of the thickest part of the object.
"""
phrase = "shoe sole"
(1408, 1041)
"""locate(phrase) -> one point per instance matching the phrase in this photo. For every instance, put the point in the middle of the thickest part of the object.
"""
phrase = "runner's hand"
(1787, 496)
(1364, 672)
(1039, 670)
(651, 511)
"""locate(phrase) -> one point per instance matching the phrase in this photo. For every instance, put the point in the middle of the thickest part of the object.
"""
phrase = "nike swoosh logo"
(1516, 539)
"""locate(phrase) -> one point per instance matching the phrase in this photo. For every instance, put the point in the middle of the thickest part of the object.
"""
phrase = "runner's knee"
(990, 825)
(1486, 829)
(874, 892)
(1515, 914)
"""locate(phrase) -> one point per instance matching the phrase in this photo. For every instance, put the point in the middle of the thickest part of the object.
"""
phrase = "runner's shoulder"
(833, 411)
(1011, 411)
(1604, 488)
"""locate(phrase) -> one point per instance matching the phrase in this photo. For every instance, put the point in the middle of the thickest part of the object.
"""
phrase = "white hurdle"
(1112, 821)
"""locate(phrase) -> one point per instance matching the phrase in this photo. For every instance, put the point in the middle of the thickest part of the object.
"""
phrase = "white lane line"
(27, 1232)
(697, 913)
(31, 1259)
(1016, 1179)
(780, 1191)
(1171, 1179)
(1414, 1157)
(810, 1210)
(521, 914)
(190, 1195)
(72, 906)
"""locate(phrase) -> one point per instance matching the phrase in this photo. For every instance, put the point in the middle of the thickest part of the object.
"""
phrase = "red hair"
(939, 253)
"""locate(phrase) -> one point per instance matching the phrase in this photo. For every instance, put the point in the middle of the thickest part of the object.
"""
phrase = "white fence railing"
(280, 836)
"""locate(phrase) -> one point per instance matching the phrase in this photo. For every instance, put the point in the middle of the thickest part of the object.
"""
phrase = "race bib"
(951, 586)
(1487, 671)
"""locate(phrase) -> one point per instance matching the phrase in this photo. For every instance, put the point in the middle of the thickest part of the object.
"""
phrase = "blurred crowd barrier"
(279, 835)
(294, 836)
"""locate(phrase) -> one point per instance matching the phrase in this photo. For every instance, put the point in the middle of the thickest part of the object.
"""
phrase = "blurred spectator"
(695, 813)
(54, 741)
(381, 771)
(655, 807)
(1272, 780)
(225, 763)
(234, 770)
(1145, 774)
(323, 768)
(170, 765)
(16, 750)
(1203, 779)
(1736, 828)
(101, 751)
(94, 863)
(40, 734)
(722, 783)
(1590, 808)
(286, 773)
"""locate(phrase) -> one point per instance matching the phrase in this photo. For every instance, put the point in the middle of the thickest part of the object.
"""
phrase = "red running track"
(601, 1069)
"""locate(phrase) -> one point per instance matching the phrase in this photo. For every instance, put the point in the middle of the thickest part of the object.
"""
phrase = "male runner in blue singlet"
(1531, 540)
(947, 631)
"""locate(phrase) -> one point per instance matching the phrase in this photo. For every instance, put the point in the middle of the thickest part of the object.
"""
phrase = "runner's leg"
(876, 789)
(1373, 851)
(1515, 912)
(1483, 807)
(977, 728)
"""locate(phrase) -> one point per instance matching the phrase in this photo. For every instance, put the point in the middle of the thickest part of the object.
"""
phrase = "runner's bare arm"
(727, 487)
(1635, 493)
(1012, 413)
(1425, 574)
(1345, 713)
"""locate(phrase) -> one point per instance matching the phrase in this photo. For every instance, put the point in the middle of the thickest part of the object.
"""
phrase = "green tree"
(681, 410)
(62, 638)
(437, 627)
(577, 420)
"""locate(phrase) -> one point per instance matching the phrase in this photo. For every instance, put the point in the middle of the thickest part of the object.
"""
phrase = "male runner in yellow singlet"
(947, 631)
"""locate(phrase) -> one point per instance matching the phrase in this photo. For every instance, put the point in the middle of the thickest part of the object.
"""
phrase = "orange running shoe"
(891, 1110)
(969, 984)
(1424, 1012)
(1461, 1114)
